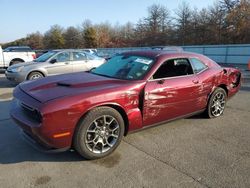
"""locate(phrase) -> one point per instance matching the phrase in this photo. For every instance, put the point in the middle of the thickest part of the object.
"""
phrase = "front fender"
(42, 70)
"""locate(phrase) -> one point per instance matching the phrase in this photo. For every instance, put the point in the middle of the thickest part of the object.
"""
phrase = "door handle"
(66, 63)
(195, 81)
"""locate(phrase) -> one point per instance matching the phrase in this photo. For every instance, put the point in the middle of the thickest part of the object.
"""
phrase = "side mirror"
(91, 69)
(52, 61)
(161, 81)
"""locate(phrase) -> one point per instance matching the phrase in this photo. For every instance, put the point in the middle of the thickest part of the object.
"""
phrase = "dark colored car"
(91, 112)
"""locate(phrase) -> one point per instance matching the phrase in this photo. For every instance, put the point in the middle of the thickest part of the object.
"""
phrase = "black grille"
(31, 112)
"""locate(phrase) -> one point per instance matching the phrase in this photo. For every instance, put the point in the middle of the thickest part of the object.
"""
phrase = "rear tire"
(35, 75)
(99, 133)
(217, 103)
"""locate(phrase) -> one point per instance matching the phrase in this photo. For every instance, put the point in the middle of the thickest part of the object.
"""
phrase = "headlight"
(18, 69)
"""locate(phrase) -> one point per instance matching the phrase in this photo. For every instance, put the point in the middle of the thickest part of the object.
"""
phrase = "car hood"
(55, 87)
(31, 63)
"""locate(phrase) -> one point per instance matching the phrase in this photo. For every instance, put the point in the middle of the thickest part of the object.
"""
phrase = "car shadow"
(197, 116)
(13, 149)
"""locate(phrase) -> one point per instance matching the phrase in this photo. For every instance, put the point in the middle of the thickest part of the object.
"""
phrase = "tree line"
(225, 22)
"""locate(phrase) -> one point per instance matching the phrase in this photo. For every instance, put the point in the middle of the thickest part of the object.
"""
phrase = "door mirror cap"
(52, 61)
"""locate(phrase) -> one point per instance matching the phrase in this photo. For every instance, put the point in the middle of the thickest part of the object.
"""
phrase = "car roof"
(159, 53)
(68, 50)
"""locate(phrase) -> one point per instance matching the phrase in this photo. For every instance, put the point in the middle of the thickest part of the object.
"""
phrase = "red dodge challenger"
(91, 112)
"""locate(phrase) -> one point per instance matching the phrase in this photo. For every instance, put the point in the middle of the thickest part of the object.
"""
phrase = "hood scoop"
(63, 84)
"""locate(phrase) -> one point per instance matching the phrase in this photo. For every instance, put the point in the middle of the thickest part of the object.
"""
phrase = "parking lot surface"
(192, 152)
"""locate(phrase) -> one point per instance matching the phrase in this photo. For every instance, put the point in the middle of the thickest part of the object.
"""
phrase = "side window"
(173, 68)
(198, 66)
(79, 56)
(62, 57)
(90, 57)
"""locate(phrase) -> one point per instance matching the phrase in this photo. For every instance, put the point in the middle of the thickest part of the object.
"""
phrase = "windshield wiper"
(101, 74)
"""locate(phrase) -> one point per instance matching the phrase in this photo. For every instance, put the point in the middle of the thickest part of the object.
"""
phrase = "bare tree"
(239, 22)
(154, 28)
(103, 35)
(73, 38)
(90, 40)
(183, 22)
(35, 40)
(228, 5)
(53, 38)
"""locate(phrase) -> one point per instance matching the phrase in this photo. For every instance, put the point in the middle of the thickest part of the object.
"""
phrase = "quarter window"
(173, 68)
(198, 66)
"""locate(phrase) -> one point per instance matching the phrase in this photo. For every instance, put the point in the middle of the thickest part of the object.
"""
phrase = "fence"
(231, 54)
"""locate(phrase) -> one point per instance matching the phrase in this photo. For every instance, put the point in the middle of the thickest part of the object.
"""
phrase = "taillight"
(34, 56)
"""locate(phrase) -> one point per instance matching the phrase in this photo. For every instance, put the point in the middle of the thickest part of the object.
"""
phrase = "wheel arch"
(34, 71)
(123, 114)
(223, 86)
(16, 59)
(115, 106)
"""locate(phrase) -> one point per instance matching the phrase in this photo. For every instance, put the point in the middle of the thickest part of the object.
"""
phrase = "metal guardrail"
(229, 54)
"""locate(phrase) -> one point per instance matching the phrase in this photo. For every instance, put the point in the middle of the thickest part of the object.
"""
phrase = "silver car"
(52, 63)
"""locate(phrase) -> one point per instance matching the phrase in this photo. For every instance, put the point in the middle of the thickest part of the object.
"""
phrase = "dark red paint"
(63, 100)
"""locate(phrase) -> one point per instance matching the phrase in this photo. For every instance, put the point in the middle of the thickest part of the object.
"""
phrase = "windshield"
(45, 56)
(125, 67)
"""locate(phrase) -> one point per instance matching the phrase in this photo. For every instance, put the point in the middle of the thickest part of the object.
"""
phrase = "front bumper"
(27, 123)
(32, 124)
(40, 147)
(16, 77)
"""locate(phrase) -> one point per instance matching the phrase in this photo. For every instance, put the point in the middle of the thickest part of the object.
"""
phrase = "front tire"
(99, 133)
(216, 103)
(35, 75)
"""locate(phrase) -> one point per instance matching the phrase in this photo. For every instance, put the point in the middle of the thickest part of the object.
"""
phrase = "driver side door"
(174, 91)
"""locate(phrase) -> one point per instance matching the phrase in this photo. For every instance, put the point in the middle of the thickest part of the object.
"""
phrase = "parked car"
(167, 48)
(91, 51)
(15, 55)
(52, 63)
(106, 56)
(91, 112)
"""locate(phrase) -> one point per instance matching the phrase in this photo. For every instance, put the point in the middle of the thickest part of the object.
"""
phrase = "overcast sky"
(20, 17)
